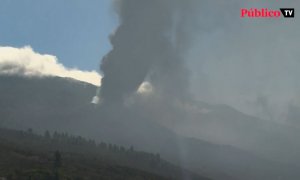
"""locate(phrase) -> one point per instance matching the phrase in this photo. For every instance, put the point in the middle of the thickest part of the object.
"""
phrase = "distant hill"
(41, 102)
(224, 124)
(63, 105)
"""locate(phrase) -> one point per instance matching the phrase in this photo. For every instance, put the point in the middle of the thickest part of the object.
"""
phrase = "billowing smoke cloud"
(148, 45)
(231, 60)
(24, 61)
(250, 64)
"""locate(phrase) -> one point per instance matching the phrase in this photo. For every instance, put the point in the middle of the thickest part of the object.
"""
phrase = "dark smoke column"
(142, 44)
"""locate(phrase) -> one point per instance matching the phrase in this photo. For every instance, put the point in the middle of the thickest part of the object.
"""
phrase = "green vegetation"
(28, 156)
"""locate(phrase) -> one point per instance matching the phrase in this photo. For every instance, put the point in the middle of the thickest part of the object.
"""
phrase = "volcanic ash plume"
(148, 43)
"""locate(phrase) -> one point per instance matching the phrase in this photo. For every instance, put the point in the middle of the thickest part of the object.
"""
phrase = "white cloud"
(25, 61)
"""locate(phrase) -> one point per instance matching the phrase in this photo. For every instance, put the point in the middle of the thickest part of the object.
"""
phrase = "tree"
(131, 149)
(29, 130)
(47, 135)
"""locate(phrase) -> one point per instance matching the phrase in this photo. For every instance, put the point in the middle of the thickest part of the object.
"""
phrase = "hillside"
(224, 124)
(25, 154)
(63, 105)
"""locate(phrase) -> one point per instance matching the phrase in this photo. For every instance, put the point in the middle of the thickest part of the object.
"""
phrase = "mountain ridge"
(57, 104)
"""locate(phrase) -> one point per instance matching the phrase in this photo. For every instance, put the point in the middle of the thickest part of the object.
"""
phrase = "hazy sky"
(75, 31)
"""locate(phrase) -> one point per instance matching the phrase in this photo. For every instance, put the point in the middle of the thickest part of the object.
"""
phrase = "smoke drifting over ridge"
(251, 65)
(230, 60)
(148, 44)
